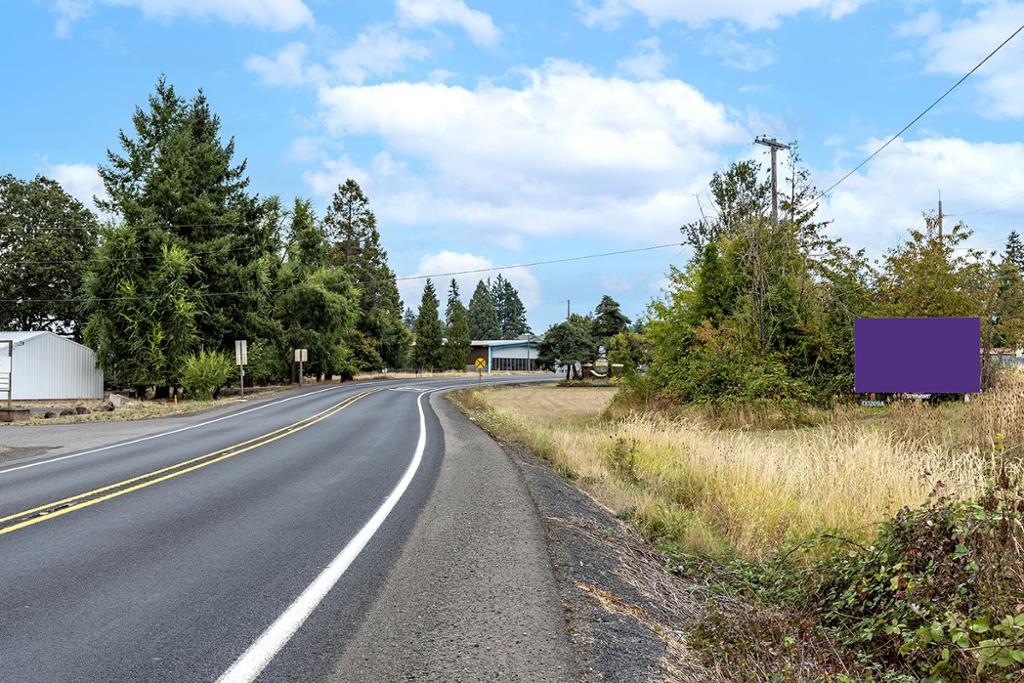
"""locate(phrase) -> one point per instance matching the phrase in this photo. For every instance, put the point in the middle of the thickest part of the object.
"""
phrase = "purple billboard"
(917, 355)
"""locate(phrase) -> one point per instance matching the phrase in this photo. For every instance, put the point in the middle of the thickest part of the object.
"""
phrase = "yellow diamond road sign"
(481, 363)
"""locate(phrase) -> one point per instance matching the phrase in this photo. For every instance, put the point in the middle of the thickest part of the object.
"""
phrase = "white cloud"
(422, 13)
(287, 67)
(980, 183)
(736, 53)
(956, 50)
(647, 61)
(568, 152)
(274, 15)
(81, 181)
(923, 24)
(377, 51)
(449, 262)
(753, 14)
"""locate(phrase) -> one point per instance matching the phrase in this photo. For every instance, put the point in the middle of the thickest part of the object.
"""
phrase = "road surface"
(288, 540)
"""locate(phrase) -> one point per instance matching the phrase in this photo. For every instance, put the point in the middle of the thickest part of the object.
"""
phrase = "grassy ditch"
(890, 538)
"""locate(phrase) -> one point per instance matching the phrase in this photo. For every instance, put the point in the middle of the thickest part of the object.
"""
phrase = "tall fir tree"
(175, 183)
(307, 240)
(1014, 252)
(609, 319)
(428, 352)
(457, 343)
(510, 309)
(355, 246)
(483, 315)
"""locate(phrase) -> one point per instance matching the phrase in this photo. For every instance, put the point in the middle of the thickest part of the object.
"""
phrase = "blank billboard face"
(917, 355)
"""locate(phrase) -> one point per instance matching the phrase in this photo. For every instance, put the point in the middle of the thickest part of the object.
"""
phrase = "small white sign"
(241, 352)
(301, 355)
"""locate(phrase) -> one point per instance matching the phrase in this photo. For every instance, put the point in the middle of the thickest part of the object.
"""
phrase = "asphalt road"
(254, 545)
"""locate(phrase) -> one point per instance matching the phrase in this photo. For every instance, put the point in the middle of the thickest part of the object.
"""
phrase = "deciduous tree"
(46, 239)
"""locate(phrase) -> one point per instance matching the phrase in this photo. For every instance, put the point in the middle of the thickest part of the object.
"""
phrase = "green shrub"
(267, 364)
(204, 374)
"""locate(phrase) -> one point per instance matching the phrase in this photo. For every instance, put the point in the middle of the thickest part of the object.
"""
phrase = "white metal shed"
(47, 366)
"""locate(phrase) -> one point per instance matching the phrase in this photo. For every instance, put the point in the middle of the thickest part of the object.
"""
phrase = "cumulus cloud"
(753, 14)
(274, 15)
(423, 13)
(567, 152)
(647, 61)
(449, 262)
(378, 51)
(81, 181)
(980, 184)
(964, 43)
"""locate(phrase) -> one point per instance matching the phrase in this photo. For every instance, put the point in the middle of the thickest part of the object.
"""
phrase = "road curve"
(248, 547)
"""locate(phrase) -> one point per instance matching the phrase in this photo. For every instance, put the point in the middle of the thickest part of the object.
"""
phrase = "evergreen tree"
(307, 243)
(457, 343)
(713, 296)
(175, 183)
(143, 314)
(609, 319)
(428, 352)
(1014, 251)
(510, 309)
(483, 316)
(409, 318)
(46, 238)
(355, 246)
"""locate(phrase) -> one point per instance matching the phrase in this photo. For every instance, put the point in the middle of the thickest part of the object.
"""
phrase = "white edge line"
(258, 655)
(252, 662)
(169, 433)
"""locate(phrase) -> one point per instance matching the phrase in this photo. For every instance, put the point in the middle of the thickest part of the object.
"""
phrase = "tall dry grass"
(748, 493)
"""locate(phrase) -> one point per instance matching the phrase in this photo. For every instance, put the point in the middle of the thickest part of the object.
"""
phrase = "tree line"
(764, 312)
(188, 259)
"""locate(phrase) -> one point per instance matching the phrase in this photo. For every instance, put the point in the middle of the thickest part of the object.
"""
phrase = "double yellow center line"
(58, 508)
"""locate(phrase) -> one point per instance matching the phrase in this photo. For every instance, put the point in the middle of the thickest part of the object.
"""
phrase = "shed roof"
(20, 336)
(504, 342)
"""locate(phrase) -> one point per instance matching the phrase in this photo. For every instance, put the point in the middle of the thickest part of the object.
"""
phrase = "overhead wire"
(404, 278)
(914, 120)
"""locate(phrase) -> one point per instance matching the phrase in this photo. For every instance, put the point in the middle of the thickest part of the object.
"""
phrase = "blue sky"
(491, 133)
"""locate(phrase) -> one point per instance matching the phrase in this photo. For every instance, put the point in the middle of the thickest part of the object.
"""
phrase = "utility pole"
(940, 215)
(568, 309)
(773, 145)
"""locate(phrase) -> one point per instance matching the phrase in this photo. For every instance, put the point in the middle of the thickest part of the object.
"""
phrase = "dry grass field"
(748, 492)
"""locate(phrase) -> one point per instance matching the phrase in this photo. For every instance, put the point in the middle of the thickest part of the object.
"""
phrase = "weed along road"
(242, 547)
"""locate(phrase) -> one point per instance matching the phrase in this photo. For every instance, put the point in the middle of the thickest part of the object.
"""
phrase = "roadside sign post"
(301, 356)
(480, 364)
(241, 360)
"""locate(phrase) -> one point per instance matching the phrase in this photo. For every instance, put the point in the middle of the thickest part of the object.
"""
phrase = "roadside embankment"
(873, 545)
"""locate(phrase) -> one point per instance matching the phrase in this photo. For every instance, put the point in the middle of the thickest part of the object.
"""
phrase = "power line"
(408, 277)
(539, 263)
(990, 208)
(916, 118)
(163, 226)
(135, 298)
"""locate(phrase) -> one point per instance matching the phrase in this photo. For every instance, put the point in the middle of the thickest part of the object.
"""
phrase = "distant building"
(505, 354)
(45, 365)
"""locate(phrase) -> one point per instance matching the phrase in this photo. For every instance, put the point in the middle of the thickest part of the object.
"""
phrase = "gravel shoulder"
(471, 597)
(626, 615)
